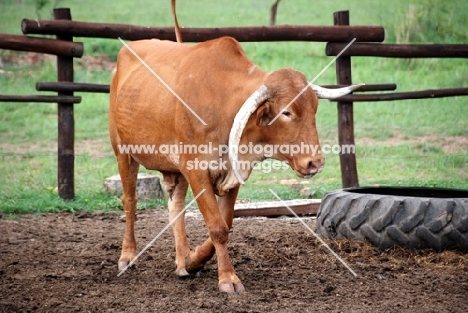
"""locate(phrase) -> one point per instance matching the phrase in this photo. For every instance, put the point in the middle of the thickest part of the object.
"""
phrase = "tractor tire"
(410, 217)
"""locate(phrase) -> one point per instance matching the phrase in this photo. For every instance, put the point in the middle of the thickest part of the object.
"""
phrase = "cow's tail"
(177, 28)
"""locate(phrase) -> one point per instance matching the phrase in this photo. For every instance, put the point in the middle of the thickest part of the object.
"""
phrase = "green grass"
(417, 142)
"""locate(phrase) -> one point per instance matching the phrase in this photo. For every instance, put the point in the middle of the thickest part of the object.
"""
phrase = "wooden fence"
(370, 38)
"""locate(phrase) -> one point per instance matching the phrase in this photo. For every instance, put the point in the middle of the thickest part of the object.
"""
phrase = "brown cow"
(237, 101)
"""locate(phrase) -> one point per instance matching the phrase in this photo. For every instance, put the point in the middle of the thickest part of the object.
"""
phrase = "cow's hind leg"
(176, 185)
(128, 169)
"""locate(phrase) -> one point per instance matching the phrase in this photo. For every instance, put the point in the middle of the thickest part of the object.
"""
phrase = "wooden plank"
(421, 94)
(400, 50)
(71, 86)
(276, 208)
(41, 45)
(243, 34)
(42, 99)
(349, 175)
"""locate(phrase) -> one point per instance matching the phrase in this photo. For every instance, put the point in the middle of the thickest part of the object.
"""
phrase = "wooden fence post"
(66, 122)
(349, 175)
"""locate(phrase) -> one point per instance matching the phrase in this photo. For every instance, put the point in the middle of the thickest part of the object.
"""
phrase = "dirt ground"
(67, 263)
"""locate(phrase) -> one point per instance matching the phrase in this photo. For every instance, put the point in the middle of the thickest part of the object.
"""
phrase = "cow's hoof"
(182, 273)
(123, 265)
(231, 288)
(125, 259)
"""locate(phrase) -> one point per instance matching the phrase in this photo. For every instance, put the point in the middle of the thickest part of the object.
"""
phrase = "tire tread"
(386, 221)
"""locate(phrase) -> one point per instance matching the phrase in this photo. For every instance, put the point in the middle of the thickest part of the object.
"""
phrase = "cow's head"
(284, 109)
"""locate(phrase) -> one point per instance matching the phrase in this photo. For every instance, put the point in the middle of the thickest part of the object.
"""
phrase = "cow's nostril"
(312, 168)
(315, 167)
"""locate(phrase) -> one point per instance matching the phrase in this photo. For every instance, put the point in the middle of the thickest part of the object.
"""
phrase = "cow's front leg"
(205, 252)
(218, 230)
(128, 169)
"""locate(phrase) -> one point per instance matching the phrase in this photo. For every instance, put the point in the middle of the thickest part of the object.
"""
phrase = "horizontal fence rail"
(103, 88)
(422, 94)
(42, 99)
(69, 86)
(399, 50)
(243, 34)
(41, 45)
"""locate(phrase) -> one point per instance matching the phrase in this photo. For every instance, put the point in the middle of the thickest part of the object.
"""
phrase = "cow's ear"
(264, 114)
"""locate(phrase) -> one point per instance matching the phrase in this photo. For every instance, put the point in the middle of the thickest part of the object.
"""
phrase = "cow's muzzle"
(306, 168)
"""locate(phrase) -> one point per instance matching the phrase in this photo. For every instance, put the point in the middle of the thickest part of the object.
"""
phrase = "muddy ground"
(67, 263)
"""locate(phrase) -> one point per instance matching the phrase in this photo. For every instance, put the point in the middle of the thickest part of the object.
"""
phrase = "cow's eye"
(287, 114)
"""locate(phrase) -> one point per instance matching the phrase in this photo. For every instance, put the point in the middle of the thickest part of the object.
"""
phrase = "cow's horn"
(249, 106)
(326, 93)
